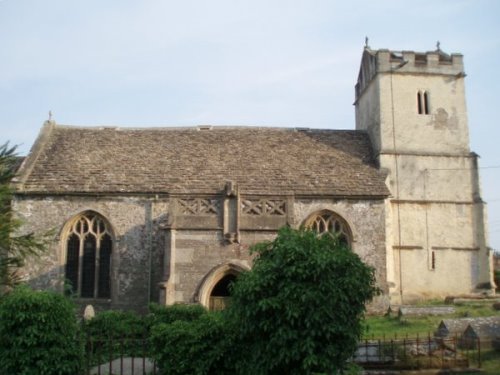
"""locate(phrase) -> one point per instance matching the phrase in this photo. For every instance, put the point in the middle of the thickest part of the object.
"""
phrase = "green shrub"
(113, 333)
(197, 347)
(169, 314)
(115, 324)
(38, 334)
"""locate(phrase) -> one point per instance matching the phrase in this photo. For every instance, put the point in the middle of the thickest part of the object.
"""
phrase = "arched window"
(88, 256)
(328, 222)
(426, 103)
(423, 103)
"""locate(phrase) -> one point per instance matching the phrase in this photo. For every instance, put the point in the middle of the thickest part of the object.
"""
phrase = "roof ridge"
(197, 128)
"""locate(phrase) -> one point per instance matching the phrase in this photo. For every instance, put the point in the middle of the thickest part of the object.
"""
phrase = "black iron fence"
(126, 356)
(419, 353)
(119, 356)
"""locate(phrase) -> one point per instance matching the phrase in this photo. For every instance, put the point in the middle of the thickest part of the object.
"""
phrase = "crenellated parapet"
(409, 62)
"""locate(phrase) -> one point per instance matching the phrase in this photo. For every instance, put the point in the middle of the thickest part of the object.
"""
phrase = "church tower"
(413, 107)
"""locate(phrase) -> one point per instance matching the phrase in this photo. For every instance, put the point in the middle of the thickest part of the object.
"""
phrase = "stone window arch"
(88, 248)
(328, 222)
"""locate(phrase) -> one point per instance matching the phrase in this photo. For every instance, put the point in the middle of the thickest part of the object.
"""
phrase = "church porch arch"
(214, 287)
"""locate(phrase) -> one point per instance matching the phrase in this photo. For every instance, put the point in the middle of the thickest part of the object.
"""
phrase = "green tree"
(15, 248)
(300, 309)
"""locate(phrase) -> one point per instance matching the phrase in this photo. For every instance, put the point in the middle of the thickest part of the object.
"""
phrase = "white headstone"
(89, 312)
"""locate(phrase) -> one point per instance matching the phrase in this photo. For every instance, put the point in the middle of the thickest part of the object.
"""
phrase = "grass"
(490, 362)
(389, 326)
(380, 327)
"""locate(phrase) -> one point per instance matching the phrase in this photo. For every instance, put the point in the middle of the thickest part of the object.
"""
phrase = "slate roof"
(275, 161)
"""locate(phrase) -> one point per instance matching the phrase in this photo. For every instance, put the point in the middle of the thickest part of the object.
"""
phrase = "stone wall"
(366, 221)
(166, 253)
(137, 250)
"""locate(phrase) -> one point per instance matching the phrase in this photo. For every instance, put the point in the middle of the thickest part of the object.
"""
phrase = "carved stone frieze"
(263, 207)
(198, 206)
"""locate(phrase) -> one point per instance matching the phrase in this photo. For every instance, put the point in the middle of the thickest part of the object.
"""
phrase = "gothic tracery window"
(327, 222)
(88, 256)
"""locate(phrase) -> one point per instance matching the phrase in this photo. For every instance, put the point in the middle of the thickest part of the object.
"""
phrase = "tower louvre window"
(423, 106)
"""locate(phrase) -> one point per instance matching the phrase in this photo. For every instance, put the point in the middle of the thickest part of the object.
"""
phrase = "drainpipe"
(149, 243)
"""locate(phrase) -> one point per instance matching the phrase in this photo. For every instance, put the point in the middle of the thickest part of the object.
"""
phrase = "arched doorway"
(220, 297)
(214, 289)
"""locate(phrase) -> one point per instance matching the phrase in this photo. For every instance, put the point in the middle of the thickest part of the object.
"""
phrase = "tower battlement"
(398, 62)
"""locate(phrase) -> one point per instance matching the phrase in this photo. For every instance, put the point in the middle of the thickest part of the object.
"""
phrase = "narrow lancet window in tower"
(423, 103)
(426, 103)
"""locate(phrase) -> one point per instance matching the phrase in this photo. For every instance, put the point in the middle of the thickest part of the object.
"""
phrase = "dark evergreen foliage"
(15, 247)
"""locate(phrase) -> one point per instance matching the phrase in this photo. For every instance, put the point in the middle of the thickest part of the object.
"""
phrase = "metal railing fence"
(118, 356)
(125, 356)
(419, 353)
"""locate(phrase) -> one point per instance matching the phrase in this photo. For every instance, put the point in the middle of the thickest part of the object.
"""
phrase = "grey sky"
(230, 62)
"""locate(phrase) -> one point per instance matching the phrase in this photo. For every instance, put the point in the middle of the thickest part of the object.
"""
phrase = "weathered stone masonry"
(161, 256)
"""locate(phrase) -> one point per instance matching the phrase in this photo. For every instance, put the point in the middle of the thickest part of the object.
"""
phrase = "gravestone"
(89, 312)
(448, 328)
(485, 329)
(425, 310)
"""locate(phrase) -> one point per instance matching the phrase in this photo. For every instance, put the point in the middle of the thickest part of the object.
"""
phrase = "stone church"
(168, 214)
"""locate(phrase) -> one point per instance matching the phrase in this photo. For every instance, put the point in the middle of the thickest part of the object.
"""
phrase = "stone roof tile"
(190, 160)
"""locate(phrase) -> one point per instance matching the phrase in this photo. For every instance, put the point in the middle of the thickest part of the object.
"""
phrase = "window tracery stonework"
(198, 206)
(327, 222)
(263, 207)
(88, 256)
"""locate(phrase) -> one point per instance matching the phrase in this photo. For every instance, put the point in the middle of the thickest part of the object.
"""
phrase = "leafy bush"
(38, 334)
(197, 347)
(179, 312)
(300, 309)
(113, 333)
(115, 324)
